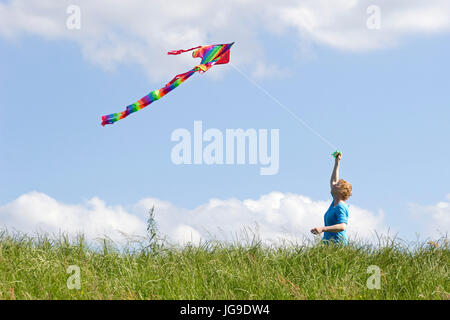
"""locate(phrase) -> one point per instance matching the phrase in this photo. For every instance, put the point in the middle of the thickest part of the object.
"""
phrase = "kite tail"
(148, 99)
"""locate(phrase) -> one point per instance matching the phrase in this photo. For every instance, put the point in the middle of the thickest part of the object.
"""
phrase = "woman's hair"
(344, 189)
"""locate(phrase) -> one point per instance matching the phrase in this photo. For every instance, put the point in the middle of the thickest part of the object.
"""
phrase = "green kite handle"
(336, 153)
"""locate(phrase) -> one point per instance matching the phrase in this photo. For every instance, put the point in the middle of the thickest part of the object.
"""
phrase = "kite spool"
(336, 154)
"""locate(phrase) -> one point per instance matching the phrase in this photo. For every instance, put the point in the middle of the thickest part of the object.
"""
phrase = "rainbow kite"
(210, 55)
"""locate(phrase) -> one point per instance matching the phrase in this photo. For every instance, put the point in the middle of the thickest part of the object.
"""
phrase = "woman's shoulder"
(342, 206)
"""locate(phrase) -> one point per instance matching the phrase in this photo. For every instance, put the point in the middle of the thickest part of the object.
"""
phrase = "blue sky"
(386, 108)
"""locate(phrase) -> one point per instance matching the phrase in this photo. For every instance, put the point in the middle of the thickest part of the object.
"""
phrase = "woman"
(336, 217)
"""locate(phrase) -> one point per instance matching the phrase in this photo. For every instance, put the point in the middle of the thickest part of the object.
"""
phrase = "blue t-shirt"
(336, 215)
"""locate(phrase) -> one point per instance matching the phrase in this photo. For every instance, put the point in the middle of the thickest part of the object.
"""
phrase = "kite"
(210, 55)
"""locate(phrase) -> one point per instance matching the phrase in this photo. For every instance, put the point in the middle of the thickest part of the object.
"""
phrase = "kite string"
(284, 107)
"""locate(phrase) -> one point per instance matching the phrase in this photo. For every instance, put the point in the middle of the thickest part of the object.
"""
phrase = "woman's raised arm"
(335, 174)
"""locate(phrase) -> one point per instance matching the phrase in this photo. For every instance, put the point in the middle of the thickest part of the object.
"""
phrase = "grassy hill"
(39, 268)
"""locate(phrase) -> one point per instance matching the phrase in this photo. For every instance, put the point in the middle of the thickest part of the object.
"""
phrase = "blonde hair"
(344, 189)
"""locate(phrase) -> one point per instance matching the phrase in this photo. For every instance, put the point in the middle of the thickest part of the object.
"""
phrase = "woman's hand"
(317, 230)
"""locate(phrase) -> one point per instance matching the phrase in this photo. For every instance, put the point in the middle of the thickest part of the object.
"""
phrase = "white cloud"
(435, 219)
(141, 32)
(342, 24)
(36, 212)
(184, 234)
(114, 32)
(275, 217)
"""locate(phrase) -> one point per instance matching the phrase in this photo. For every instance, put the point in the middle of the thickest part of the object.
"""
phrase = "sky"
(367, 77)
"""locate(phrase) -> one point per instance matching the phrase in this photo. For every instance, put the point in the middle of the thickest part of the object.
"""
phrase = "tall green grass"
(36, 268)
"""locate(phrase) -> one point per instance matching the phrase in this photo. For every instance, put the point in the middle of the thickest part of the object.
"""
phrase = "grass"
(36, 268)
